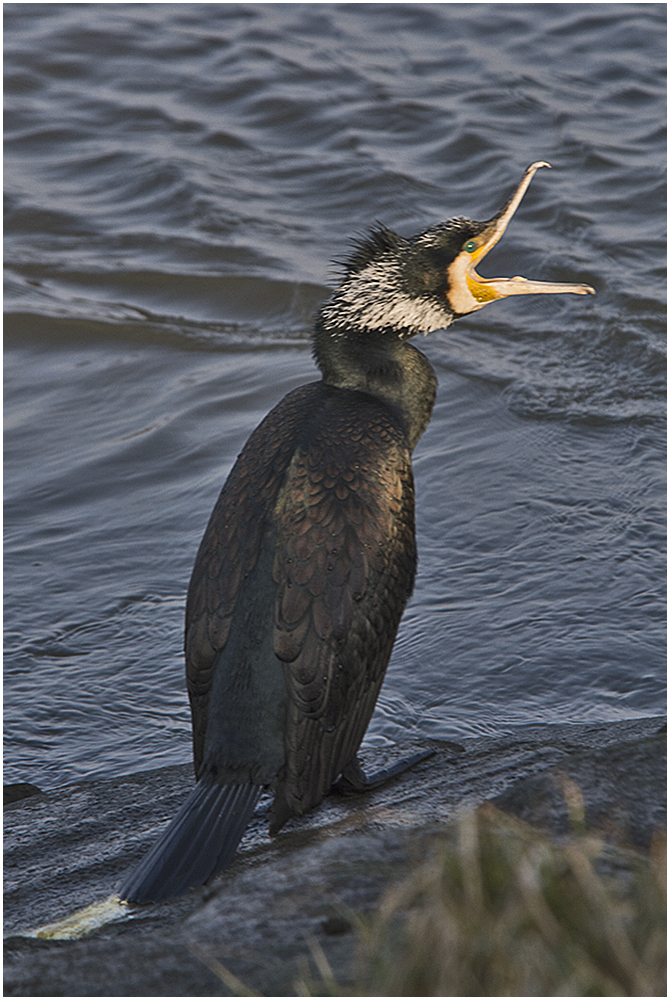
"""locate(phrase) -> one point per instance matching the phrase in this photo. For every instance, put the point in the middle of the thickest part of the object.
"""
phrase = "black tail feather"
(199, 842)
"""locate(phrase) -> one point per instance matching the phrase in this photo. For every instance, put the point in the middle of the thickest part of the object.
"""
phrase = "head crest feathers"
(369, 246)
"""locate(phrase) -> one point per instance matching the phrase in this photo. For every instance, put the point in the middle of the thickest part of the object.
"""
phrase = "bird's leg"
(354, 779)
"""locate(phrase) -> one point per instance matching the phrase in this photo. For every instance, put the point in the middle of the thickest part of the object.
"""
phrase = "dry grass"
(501, 910)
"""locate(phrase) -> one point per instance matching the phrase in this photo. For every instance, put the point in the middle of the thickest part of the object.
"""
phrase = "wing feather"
(231, 545)
(344, 568)
(332, 472)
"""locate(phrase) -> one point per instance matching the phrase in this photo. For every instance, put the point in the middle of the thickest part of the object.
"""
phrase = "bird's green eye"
(470, 246)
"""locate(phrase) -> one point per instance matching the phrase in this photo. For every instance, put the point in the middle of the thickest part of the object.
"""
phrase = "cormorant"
(309, 556)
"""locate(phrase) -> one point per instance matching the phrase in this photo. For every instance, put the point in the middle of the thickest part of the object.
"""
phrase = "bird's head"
(403, 287)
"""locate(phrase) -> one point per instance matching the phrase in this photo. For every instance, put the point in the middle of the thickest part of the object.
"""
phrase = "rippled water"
(178, 179)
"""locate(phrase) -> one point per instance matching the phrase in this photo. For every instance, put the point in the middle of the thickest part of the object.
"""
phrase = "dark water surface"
(178, 179)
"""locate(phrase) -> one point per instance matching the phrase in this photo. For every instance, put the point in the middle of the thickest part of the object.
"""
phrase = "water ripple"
(178, 179)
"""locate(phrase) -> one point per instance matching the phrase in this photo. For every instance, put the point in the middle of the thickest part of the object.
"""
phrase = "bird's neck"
(382, 365)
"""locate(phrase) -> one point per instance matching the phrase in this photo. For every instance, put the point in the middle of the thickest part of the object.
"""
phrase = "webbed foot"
(353, 779)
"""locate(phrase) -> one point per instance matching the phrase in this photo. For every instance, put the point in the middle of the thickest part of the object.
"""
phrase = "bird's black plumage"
(309, 556)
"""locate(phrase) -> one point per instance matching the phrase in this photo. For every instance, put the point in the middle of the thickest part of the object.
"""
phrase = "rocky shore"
(284, 899)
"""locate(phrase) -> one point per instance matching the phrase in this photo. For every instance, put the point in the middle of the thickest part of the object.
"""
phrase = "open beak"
(487, 289)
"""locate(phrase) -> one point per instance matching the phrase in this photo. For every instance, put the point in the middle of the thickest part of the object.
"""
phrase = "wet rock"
(19, 790)
(613, 792)
(283, 901)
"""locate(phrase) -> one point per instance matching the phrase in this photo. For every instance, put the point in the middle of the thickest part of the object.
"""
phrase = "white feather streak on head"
(373, 299)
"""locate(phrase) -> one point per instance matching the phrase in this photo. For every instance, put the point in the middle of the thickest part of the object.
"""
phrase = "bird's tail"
(199, 842)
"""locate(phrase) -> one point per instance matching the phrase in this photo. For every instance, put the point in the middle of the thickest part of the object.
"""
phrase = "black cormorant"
(309, 556)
